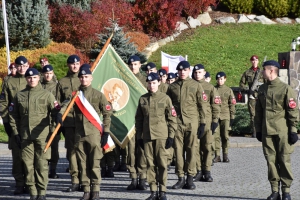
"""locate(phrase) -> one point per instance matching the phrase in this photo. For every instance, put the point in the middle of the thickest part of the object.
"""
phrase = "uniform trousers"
(185, 144)
(36, 165)
(251, 109)
(18, 168)
(89, 153)
(71, 154)
(222, 135)
(157, 158)
(136, 160)
(278, 152)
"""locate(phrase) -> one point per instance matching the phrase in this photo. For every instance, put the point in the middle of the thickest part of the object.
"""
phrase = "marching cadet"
(212, 105)
(64, 90)
(44, 61)
(163, 75)
(32, 125)
(171, 78)
(136, 160)
(246, 82)
(88, 141)
(151, 67)
(155, 123)
(49, 84)
(187, 98)
(227, 101)
(10, 89)
(276, 118)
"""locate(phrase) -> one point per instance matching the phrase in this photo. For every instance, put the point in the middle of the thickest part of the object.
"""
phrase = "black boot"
(198, 176)
(207, 176)
(103, 172)
(41, 197)
(225, 157)
(123, 167)
(142, 184)
(19, 190)
(180, 183)
(53, 174)
(153, 196)
(217, 159)
(132, 185)
(74, 187)
(33, 197)
(189, 183)
(274, 196)
(68, 169)
(110, 173)
(86, 196)
(286, 196)
(162, 196)
(95, 196)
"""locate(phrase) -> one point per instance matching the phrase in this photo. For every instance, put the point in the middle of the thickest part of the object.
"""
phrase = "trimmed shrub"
(33, 56)
(294, 8)
(140, 40)
(158, 17)
(238, 6)
(195, 7)
(272, 8)
(241, 124)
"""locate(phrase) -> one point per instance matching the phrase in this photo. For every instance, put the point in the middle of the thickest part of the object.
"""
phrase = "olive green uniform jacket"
(273, 114)
(163, 87)
(154, 117)
(29, 114)
(247, 79)
(142, 79)
(65, 87)
(187, 99)
(228, 102)
(10, 88)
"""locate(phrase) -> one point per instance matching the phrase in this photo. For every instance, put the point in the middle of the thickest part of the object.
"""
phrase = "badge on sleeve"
(56, 105)
(108, 107)
(204, 96)
(11, 107)
(217, 100)
(233, 101)
(173, 111)
(292, 103)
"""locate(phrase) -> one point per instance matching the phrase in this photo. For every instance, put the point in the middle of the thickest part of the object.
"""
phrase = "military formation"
(183, 120)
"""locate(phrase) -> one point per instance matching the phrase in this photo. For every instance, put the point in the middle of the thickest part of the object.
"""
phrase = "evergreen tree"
(28, 24)
(82, 4)
(121, 44)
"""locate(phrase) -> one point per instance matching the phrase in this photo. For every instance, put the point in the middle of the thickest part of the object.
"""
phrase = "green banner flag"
(122, 89)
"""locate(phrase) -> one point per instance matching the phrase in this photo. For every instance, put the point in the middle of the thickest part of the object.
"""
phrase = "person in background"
(227, 114)
(207, 77)
(171, 78)
(163, 75)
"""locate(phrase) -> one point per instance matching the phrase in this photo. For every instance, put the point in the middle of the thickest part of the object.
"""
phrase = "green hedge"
(241, 124)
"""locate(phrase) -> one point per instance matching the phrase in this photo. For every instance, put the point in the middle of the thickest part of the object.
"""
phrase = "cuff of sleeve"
(232, 117)
(171, 135)
(215, 120)
(202, 121)
(106, 129)
(293, 130)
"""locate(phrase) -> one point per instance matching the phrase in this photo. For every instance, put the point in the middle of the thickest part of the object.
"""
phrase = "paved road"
(245, 178)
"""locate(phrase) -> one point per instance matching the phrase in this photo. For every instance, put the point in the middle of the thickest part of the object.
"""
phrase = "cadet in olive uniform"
(151, 67)
(163, 75)
(65, 87)
(171, 78)
(246, 82)
(88, 141)
(187, 98)
(212, 105)
(10, 89)
(155, 123)
(136, 160)
(32, 124)
(207, 77)
(49, 84)
(227, 114)
(276, 119)
(44, 61)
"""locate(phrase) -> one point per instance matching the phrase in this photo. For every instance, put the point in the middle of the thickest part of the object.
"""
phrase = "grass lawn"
(229, 47)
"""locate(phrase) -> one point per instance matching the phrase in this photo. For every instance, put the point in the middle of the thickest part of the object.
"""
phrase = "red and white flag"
(89, 112)
(169, 63)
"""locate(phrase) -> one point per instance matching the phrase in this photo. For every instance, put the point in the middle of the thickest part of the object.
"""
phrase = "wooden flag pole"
(75, 96)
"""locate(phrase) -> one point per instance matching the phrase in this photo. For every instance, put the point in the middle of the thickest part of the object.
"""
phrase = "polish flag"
(89, 112)
(169, 63)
